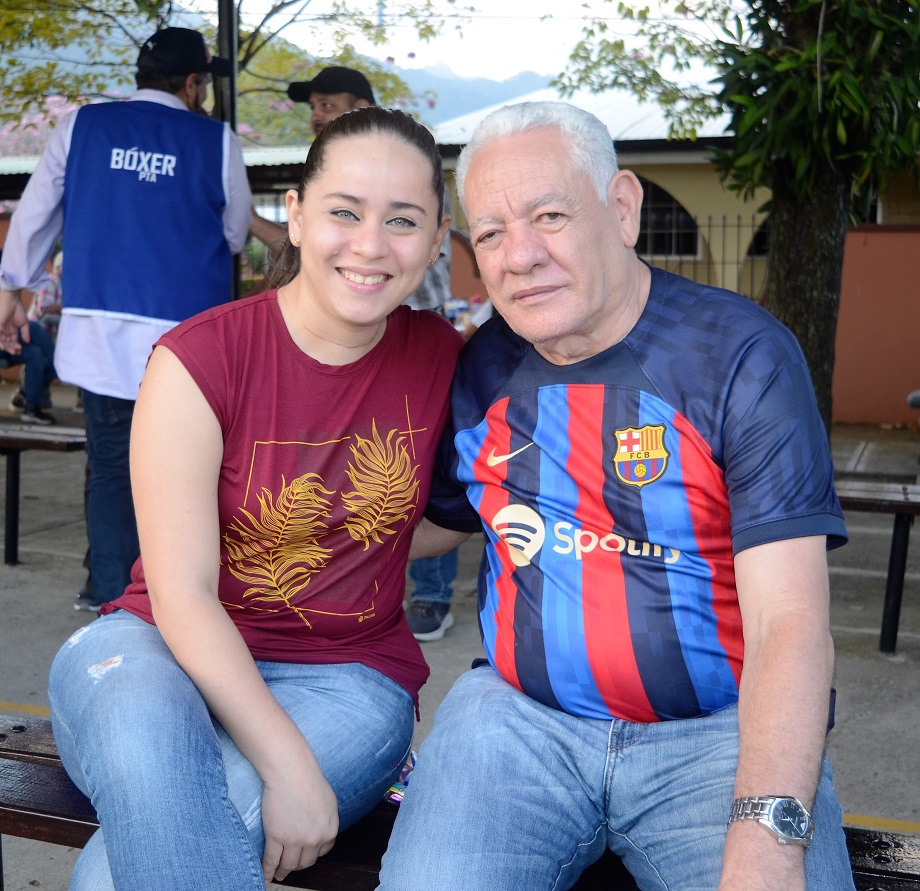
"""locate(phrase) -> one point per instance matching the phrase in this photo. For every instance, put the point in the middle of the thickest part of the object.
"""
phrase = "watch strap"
(760, 809)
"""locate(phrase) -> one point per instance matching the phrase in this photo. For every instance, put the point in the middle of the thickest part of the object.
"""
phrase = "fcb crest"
(640, 457)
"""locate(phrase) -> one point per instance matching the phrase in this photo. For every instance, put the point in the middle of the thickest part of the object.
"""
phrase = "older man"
(646, 460)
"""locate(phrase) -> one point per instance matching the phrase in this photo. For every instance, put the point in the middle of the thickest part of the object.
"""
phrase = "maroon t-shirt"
(326, 470)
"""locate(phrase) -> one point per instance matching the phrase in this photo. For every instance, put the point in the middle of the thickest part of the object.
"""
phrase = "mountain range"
(461, 95)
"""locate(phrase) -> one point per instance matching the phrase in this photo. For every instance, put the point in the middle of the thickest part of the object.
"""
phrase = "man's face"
(559, 264)
(326, 107)
(202, 82)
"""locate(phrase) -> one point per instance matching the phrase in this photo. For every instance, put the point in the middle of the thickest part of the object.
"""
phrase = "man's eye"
(485, 237)
(551, 216)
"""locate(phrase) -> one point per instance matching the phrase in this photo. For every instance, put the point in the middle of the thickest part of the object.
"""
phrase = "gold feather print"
(385, 486)
(277, 554)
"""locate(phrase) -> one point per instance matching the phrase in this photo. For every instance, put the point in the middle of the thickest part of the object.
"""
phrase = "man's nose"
(524, 249)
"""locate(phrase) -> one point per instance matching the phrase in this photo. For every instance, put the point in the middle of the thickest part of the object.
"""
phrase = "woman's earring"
(430, 263)
(295, 240)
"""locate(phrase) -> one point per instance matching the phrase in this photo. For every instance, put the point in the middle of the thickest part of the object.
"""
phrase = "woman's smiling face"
(368, 229)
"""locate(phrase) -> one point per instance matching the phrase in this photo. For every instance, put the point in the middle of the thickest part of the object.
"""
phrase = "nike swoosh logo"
(492, 459)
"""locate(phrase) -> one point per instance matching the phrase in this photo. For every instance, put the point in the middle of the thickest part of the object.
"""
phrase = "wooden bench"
(14, 440)
(38, 801)
(902, 500)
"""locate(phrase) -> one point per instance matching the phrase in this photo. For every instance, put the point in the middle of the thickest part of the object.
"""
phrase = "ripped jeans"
(179, 805)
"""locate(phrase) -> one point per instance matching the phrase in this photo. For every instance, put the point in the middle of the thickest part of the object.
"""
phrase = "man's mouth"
(359, 279)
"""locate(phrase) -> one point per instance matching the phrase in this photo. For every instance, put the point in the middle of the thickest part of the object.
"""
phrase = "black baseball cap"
(180, 51)
(333, 80)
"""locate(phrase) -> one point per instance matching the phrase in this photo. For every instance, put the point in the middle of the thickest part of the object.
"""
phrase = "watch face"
(790, 818)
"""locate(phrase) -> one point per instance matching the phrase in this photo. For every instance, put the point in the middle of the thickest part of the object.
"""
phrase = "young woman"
(252, 692)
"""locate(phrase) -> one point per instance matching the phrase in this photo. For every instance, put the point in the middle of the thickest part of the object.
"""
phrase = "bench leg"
(894, 587)
(11, 536)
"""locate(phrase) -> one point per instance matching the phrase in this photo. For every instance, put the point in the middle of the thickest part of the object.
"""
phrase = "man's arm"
(265, 230)
(783, 703)
(239, 196)
(429, 540)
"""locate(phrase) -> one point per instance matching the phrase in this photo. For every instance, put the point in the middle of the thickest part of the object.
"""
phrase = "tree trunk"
(804, 265)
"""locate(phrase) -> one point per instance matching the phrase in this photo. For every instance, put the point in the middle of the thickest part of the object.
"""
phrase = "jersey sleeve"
(778, 469)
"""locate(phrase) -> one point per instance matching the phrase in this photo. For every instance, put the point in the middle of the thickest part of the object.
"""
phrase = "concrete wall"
(878, 329)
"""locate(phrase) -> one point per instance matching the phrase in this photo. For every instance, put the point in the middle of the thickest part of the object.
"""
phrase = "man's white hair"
(589, 141)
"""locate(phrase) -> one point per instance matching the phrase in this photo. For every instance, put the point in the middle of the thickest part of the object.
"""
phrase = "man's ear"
(361, 103)
(624, 198)
(190, 87)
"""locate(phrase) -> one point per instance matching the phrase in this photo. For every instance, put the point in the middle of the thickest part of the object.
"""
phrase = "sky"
(502, 38)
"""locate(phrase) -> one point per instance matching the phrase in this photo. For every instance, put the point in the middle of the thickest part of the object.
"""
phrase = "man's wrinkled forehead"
(526, 170)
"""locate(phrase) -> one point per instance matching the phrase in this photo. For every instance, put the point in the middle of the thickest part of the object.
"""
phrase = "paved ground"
(874, 749)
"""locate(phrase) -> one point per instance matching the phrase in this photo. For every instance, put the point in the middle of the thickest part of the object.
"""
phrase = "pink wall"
(878, 329)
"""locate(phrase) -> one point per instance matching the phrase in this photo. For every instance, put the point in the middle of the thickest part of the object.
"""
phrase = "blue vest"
(143, 203)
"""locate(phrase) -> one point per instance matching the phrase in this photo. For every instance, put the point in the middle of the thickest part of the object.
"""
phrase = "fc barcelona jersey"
(614, 493)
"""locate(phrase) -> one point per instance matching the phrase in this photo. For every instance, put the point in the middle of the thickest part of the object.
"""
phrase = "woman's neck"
(322, 338)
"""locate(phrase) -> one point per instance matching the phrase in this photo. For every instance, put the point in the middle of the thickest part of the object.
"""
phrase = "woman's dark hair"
(285, 264)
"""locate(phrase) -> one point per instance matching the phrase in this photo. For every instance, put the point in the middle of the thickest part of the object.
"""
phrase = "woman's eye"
(343, 214)
(402, 222)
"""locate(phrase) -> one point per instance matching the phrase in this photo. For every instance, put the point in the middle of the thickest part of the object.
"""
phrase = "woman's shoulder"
(227, 320)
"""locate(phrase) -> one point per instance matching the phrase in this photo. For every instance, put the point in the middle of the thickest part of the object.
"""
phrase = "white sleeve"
(38, 221)
(236, 187)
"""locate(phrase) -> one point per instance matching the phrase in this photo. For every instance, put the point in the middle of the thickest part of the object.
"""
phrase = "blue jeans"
(110, 524)
(179, 805)
(434, 576)
(511, 794)
(38, 359)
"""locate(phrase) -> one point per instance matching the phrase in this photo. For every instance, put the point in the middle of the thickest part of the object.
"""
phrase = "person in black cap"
(331, 93)
(176, 60)
(151, 202)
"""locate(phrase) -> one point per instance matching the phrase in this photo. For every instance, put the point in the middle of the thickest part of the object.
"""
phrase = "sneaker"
(428, 619)
(86, 604)
(36, 416)
(19, 400)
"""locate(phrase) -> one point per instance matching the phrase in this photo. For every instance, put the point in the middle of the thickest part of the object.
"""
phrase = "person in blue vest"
(151, 199)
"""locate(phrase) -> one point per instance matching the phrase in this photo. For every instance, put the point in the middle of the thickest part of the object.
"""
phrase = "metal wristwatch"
(787, 818)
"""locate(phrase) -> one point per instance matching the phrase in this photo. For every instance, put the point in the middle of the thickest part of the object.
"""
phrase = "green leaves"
(806, 82)
(81, 50)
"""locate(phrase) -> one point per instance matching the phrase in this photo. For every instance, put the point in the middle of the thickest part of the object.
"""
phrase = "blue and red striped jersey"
(614, 493)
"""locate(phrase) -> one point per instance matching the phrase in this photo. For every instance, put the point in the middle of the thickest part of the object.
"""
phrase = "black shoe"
(19, 400)
(85, 603)
(428, 619)
(36, 416)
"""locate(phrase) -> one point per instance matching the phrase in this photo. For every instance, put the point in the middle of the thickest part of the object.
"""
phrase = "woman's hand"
(300, 818)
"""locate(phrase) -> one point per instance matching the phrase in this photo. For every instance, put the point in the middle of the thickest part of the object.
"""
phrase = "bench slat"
(23, 437)
(39, 801)
(889, 498)
(27, 739)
